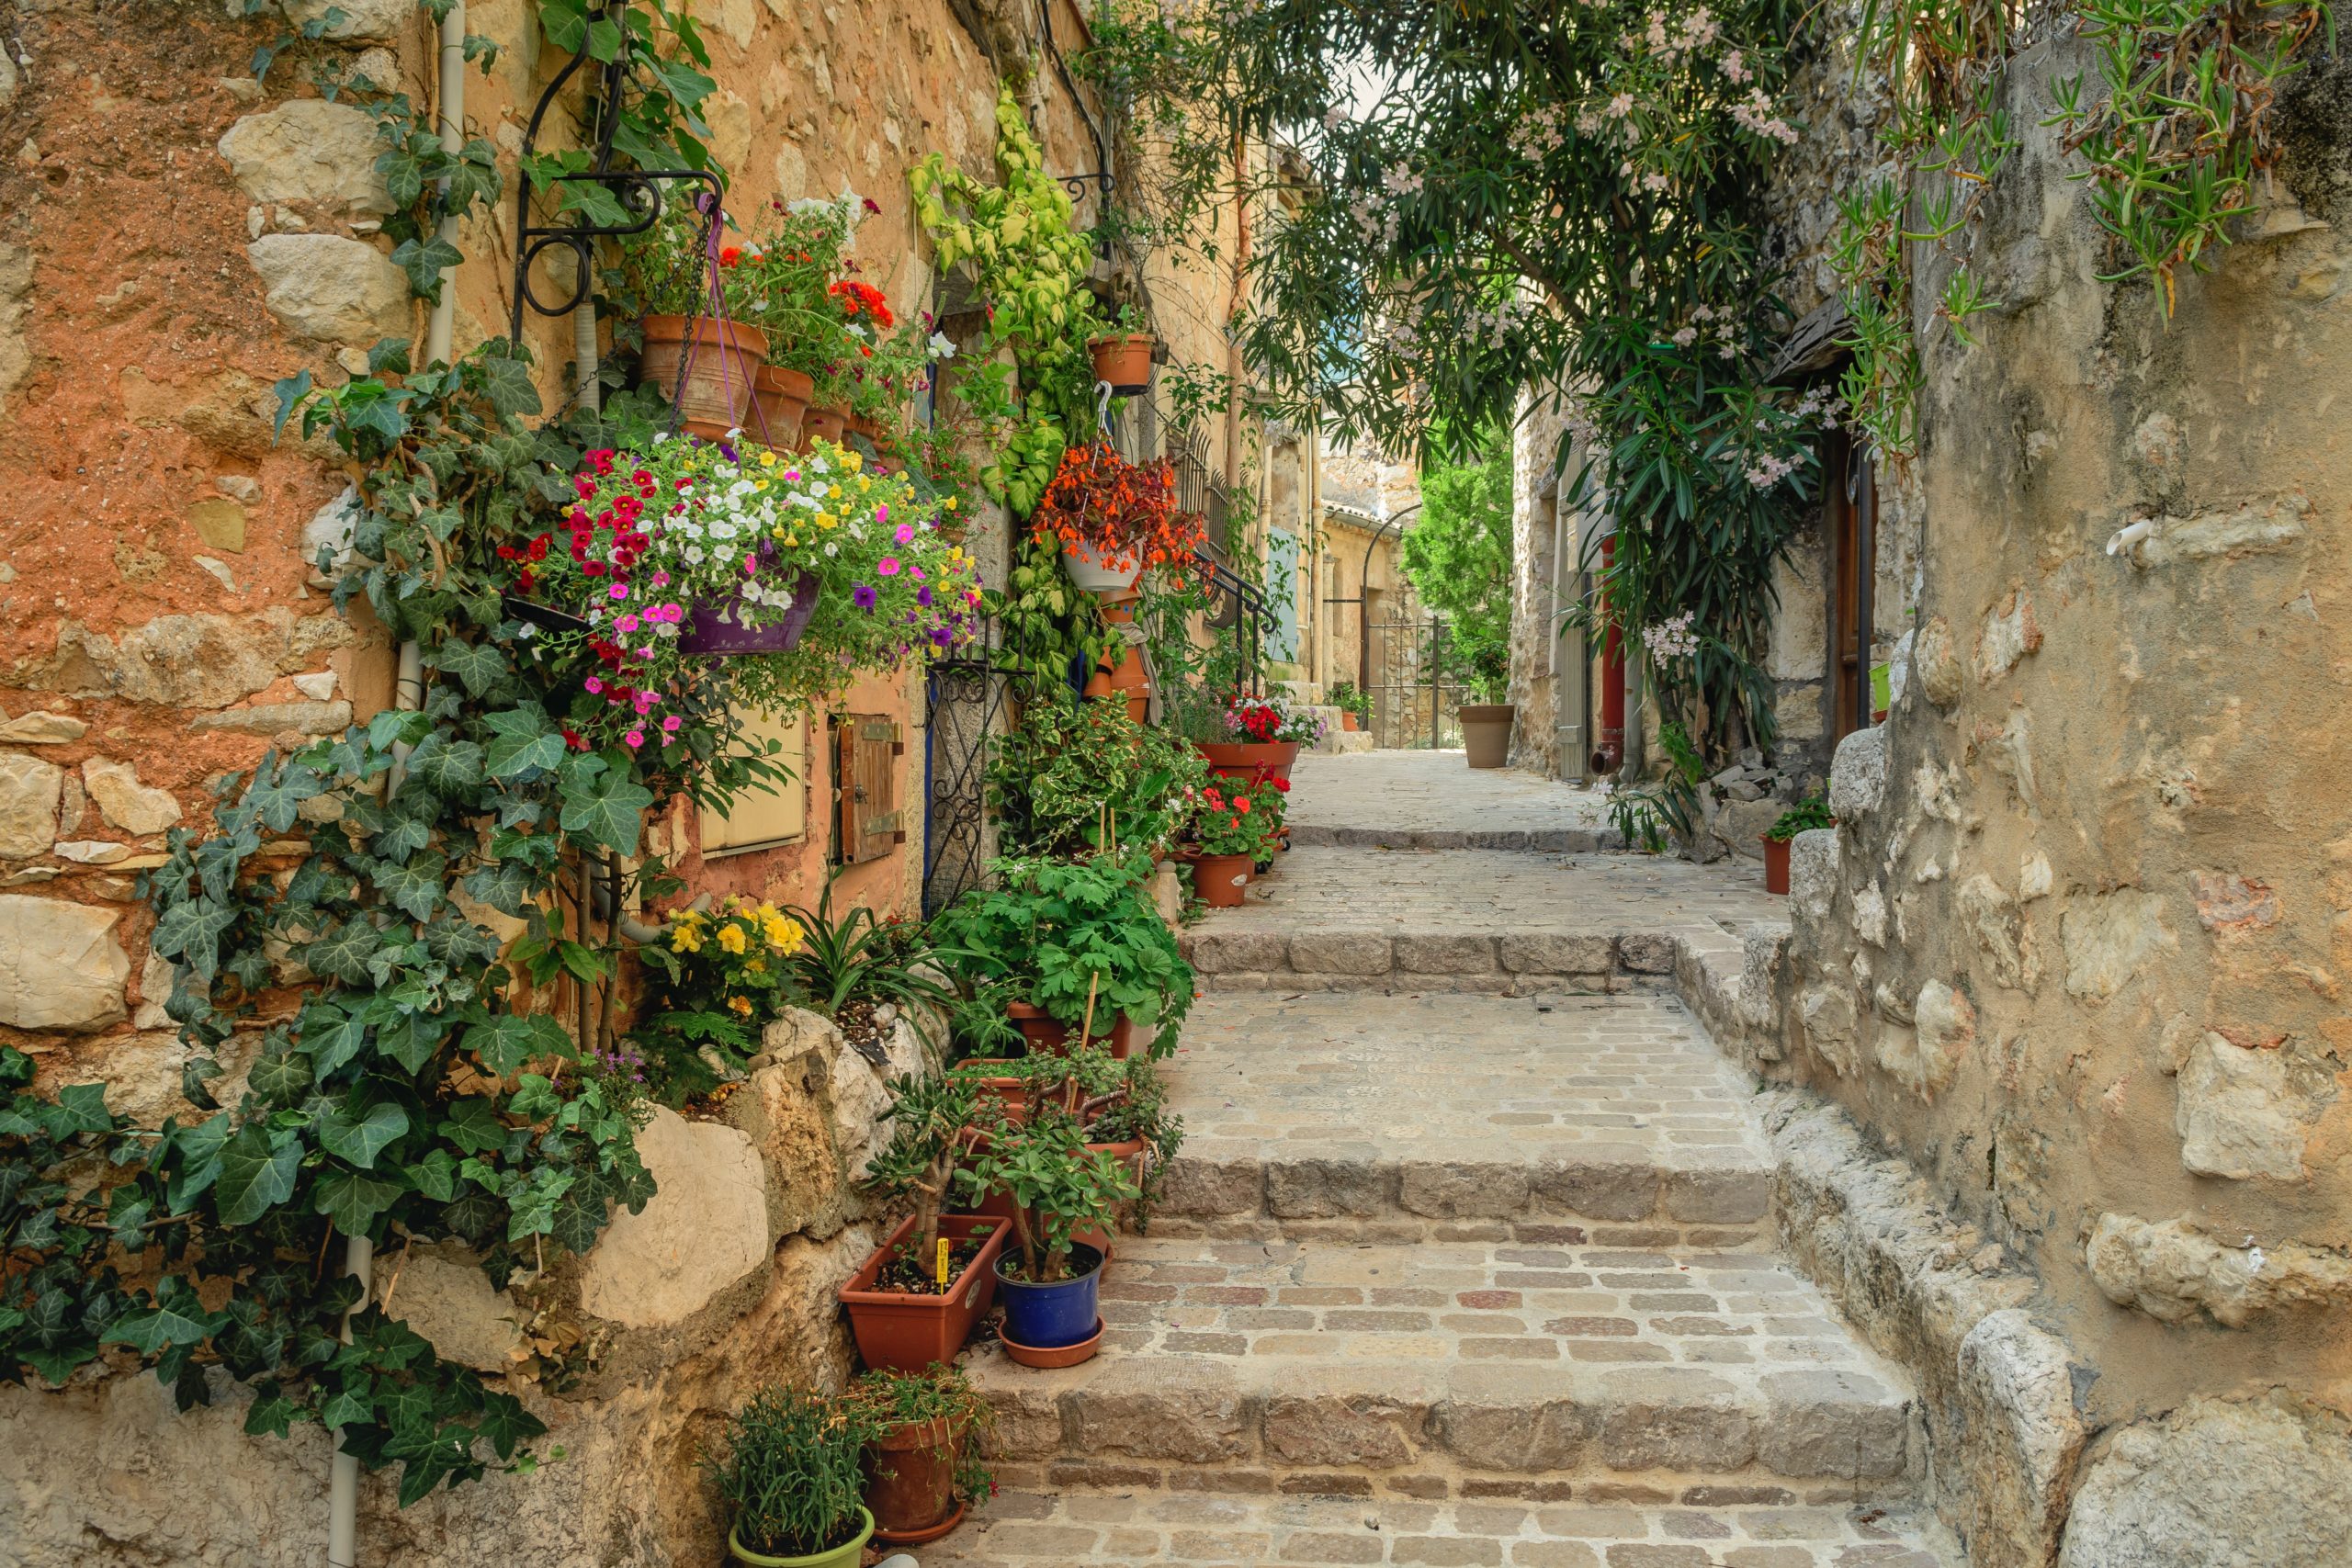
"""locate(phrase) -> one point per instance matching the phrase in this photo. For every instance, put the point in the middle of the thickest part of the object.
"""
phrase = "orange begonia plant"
(1117, 510)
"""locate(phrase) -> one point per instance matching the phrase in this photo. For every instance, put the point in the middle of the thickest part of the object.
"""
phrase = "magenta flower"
(595, 684)
(888, 566)
(636, 738)
(906, 532)
(619, 590)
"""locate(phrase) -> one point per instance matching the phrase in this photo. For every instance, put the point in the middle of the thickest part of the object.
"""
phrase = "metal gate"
(1416, 692)
(966, 708)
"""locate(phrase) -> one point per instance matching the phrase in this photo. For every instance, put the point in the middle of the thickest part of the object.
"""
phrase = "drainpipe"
(408, 695)
(1610, 752)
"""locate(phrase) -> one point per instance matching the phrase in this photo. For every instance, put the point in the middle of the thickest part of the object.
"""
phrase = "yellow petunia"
(832, 492)
(853, 461)
(767, 459)
(951, 504)
(784, 934)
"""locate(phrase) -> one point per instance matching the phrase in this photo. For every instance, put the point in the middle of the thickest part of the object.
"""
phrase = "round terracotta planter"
(779, 399)
(1220, 880)
(1348, 722)
(720, 362)
(878, 435)
(1058, 1355)
(823, 424)
(1776, 864)
(1485, 733)
(1123, 359)
(910, 1482)
(1250, 761)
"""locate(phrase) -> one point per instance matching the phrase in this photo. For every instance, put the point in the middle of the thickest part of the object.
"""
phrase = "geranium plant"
(1270, 720)
(661, 539)
(1119, 513)
(1240, 820)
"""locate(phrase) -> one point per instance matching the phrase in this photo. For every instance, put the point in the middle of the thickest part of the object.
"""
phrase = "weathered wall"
(2078, 946)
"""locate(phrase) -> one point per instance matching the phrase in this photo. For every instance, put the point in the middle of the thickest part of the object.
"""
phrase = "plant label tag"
(943, 1263)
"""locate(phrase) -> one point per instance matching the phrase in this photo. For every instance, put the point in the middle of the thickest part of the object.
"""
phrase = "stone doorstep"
(1519, 841)
(1619, 1185)
(1110, 1514)
(1498, 963)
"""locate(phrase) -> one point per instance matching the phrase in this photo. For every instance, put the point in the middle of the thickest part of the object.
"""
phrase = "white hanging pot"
(1097, 574)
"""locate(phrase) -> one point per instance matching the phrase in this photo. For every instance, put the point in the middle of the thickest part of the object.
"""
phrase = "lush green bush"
(1077, 776)
(791, 1471)
(1457, 554)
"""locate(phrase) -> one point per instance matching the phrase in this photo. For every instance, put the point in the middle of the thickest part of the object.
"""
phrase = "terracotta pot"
(911, 1479)
(1050, 1036)
(1097, 572)
(1348, 722)
(721, 360)
(1123, 359)
(906, 1333)
(880, 437)
(1776, 864)
(1250, 761)
(1220, 880)
(826, 425)
(779, 397)
(1059, 1355)
(1485, 733)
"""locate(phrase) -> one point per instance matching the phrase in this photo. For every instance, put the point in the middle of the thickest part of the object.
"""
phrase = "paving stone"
(1341, 952)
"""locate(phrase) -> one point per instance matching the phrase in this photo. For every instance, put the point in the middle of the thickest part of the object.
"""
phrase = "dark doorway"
(1850, 505)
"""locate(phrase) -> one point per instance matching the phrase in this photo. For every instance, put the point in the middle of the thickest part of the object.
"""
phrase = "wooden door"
(865, 787)
(1842, 507)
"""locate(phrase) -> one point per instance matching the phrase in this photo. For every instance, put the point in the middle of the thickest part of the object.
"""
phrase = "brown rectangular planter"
(906, 1333)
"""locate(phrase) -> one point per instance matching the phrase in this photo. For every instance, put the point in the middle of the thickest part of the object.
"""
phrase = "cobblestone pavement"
(1151, 1526)
(1438, 800)
(1359, 888)
(1466, 1080)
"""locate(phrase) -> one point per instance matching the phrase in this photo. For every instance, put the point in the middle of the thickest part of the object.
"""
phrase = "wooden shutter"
(755, 818)
(865, 771)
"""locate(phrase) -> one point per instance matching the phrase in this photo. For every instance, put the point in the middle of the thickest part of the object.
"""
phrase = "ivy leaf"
(435, 1176)
(523, 742)
(271, 1412)
(403, 837)
(578, 1218)
(332, 1037)
(416, 887)
(358, 1142)
(506, 1424)
(255, 1175)
(506, 383)
(505, 885)
(446, 766)
(425, 261)
(191, 933)
(534, 1097)
(280, 1077)
(478, 665)
(155, 1329)
(608, 811)
(473, 1125)
(81, 1108)
(276, 796)
(291, 393)
(510, 1039)
(343, 953)
(195, 1073)
(353, 1199)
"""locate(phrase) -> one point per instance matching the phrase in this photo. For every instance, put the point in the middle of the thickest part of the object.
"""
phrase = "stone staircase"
(1467, 1259)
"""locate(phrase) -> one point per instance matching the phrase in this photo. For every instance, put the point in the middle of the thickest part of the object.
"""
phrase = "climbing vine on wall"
(395, 1075)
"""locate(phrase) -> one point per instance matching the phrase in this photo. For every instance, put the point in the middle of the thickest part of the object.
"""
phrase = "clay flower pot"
(1220, 880)
(1348, 722)
(910, 1482)
(719, 362)
(779, 399)
(1776, 864)
(1123, 359)
(826, 425)
(907, 1332)
(1250, 761)
(1047, 1035)
(1485, 733)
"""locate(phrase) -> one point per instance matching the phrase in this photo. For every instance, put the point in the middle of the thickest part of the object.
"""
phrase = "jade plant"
(929, 1120)
(1059, 1188)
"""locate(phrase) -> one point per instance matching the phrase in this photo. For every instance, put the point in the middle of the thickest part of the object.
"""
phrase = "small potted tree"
(1811, 812)
(915, 1299)
(923, 1463)
(792, 1478)
(1059, 1189)
(1236, 826)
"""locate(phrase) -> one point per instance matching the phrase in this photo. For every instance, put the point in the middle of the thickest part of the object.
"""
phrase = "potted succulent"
(1811, 812)
(1097, 1089)
(1059, 1188)
(792, 1478)
(1267, 733)
(1122, 357)
(1076, 945)
(1236, 826)
(923, 1465)
(915, 1299)
(1114, 520)
(687, 550)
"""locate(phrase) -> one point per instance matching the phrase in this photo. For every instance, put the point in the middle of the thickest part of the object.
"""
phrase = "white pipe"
(583, 338)
(343, 1480)
(451, 124)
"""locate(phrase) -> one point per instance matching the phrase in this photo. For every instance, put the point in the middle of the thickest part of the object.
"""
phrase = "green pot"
(842, 1556)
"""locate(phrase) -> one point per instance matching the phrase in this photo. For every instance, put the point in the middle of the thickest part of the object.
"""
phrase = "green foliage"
(1806, 815)
(1067, 936)
(858, 957)
(1345, 696)
(790, 1472)
(893, 1401)
(928, 1117)
(1059, 1186)
(1645, 815)
(1457, 554)
(1078, 777)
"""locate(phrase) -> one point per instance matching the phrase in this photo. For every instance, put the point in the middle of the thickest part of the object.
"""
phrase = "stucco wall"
(2078, 945)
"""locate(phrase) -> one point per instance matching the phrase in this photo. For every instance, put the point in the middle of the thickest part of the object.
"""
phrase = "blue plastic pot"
(1048, 1316)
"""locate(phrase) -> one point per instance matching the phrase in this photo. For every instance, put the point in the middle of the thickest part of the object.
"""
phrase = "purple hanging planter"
(716, 626)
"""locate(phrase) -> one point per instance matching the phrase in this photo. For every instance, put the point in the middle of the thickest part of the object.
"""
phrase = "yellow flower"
(951, 504)
(827, 520)
(864, 485)
(832, 492)
(853, 461)
(741, 1004)
(730, 937)
(767, 459)
(686, 937)
(784, 935)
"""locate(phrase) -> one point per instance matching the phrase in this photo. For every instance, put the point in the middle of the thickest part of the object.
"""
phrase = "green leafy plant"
(1645, 816)
(1075, 937)
(1345, 696)
(929, 1118)
(791, 1470)
(1238, 819)
(1138, 1112)
(1806, 815)
(892, 1401)
(856, 956)
(1457, 555)
(1058, 1187)
(1078, 777)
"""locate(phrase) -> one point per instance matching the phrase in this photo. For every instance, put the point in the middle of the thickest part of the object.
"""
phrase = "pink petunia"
(619, 590)
(888, 566)
(672, 725)
(624, 623)
(906, 532)
(636, 738)
(594, 683)
(660, 580)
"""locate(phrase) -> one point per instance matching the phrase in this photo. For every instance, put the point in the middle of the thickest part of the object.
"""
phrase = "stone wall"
(2077, 946)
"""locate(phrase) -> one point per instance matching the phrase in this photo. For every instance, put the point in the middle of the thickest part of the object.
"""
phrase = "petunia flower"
(863, 597)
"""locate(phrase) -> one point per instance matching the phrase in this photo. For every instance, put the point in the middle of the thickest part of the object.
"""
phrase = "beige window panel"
(759, 820)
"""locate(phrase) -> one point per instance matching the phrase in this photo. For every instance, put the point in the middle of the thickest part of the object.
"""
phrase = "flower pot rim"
(1048, 1358)
(851, 1292)
(856, 1546)
(1077, 1279)
(1485, 713)
(706, 329)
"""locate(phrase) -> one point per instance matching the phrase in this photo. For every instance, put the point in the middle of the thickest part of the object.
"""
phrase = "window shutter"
(755, 818)
(865, 768)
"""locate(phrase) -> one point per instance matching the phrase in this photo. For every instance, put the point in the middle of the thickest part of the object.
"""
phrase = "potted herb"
(915, 1298)
(922, 1464)
(1114, 520)
(1811, 812)
(1080, 944)
(1266, 732)
(1237, 825)
(849, 967)
(1354, 706)
(1059, 1188)
(792, 1478)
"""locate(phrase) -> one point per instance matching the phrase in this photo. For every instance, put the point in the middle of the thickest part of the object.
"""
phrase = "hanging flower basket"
(732, 626)
(718, 360)
(1123, 359)
(1114, 520)
(1099, 573)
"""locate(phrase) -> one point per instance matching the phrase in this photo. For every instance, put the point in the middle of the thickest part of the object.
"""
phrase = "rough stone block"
(62, 965)
(1718, 1197)
(30, 790)
(1454, 1190)
(275, 718)
(1647, 952)
(330, 288)
(123, 801)
(1601, 1188)
(1321, 1189)
(1445, 954)
(704, 1229)
(1497, 1425)
(1557, 954)
(310, 151)
(1833, 1424)
(1858, 775)
(1230, 953)
(1674, 1418)
(444, 1295)
(1344, 1430)
(1212, 1187)
(1159, 1412)
(1340, 953)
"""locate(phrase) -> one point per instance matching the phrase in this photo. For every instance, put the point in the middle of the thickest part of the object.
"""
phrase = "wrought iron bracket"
(638, 191)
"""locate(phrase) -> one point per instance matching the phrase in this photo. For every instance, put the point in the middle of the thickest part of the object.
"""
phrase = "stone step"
(1174, 1526)
(1428, 1369)
(1601, 1119)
